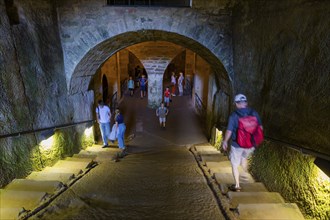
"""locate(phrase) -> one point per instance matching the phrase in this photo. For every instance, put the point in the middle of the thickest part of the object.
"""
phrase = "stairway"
(254, 201)
(24, 197)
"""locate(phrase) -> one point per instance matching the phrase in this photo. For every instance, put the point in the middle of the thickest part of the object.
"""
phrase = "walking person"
(173, 83)
(143, 84)
(130, 85)
(121, 128)
(162, 112)
(103, 115)
(239, 153)
(180, 84)
(167, 97)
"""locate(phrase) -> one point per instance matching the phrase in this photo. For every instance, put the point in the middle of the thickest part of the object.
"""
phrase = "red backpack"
(249, 132)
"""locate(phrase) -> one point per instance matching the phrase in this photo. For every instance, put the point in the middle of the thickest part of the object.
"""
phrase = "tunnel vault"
(96, 56)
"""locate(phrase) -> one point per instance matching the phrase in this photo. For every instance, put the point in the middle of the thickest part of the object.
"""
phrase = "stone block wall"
(282, 64)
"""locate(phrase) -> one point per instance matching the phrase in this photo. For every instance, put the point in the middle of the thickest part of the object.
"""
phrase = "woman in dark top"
(121, 128)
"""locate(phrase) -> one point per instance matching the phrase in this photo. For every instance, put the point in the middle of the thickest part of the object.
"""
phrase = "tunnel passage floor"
(159, 179)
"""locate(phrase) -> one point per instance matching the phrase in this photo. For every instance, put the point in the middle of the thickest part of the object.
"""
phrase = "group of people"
(163, 110)
(177, 80)
(142, 81)
(238, 155)
(117, 132)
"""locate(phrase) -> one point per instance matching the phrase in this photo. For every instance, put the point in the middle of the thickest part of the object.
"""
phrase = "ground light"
(47, 138)
(323, 164)
(218, 138)
(88, 132)
(48, 143)
(87, 138)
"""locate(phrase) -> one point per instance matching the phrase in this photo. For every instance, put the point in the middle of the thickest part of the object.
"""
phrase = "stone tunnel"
(58, 58)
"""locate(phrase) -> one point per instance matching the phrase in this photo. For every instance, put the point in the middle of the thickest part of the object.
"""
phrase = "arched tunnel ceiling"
(95, 57)
(150, 49)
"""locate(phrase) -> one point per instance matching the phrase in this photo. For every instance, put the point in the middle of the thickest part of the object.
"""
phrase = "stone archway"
(96, 56)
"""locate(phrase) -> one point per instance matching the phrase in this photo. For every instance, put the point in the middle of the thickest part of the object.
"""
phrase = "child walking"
(167, 97)
(130, 85)
(162, 112)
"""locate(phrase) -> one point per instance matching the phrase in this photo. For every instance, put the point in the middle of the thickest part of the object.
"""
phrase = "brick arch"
(97, 55)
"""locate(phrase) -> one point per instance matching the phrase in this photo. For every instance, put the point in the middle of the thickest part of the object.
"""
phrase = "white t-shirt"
(173, 80)
(103, 113)
(180, 80)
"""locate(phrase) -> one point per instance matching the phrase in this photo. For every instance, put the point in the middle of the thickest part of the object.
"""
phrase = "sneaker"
(105, 146)
(234, 188)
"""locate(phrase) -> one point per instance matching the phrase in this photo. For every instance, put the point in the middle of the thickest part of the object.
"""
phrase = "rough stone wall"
(283, 50)
(282, 63)
(33, 87)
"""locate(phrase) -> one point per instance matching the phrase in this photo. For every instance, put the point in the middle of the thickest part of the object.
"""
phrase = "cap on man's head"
(240, 98)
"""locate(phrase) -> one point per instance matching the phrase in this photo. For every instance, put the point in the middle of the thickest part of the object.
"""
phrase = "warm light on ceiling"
(48, 143)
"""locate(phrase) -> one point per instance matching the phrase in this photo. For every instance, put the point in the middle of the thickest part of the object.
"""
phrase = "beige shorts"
(237, 153)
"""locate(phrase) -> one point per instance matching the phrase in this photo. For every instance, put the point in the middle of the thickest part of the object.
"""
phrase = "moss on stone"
(295, 176)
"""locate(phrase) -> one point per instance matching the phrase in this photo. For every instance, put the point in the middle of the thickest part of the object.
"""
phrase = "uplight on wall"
(323, 165)
(48, 143)
(47, 138)
(88, 131)
(218, 138)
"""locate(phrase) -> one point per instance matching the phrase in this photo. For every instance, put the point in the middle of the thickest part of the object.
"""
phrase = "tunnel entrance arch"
(90, 63)
(96, 56)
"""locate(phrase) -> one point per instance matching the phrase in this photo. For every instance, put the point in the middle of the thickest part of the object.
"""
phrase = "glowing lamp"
(88, 131)
(323, 164)
(47, 139)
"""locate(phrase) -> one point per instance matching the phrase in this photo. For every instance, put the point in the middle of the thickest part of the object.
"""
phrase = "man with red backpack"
(245, 130)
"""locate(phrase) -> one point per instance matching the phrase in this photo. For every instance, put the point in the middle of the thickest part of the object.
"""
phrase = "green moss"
(294, 176)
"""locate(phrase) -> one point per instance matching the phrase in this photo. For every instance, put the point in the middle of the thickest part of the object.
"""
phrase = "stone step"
(218, 165)
(269, 211)
(32, 185)
(226, 169)
(206, 149)
(246, 187)
(10, 213)
(46, 176)
(74, 171)
(236, 198)
(80, 159)
(72, 164)
(226, 179)
(18, 199)
(213, 158)
(85, 154)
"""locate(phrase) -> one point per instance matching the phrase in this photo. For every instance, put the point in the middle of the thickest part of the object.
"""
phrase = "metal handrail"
(200, 102)
(17, 134)
(114, 102)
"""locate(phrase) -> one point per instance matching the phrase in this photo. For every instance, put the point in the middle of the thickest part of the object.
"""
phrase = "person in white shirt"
(173, 83)
(103, 116)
